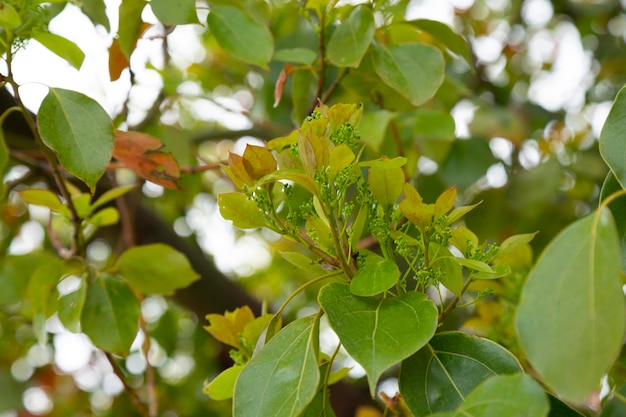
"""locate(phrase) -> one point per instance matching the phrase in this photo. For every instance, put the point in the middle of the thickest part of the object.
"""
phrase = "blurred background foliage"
(516, 128)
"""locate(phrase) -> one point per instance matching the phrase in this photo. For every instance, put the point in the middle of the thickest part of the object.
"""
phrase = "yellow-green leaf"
(61, 46)
(243, 212)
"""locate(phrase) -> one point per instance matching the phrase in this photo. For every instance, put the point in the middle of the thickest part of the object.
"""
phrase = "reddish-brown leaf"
(280, 83)
(117, 61)
(143, 154)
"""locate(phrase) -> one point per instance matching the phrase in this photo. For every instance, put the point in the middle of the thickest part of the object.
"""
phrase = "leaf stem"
(133, 394)
(455, 300)
(305, 286)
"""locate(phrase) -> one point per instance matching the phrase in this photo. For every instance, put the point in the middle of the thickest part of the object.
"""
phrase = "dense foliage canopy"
(313, 208)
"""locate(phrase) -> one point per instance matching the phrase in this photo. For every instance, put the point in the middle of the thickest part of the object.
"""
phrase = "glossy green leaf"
(350, 40)
(79, 131)
(444, 34)
(223, 386)
(240, 35)
(572, 309)
(617, 207)
(43, 198)
(375, 277)
(612, 146)
(379, 333)
(297, 55)
(414, 70)
(243, 212)
(9, 17)
(559, 409)
(110, 315)
(175, 12)
(95, 10)
(386, 184)
(130, 25)
(71, 308)
(504, 395)
(282, 378)
(62, 47)
(443, 373)
(320, 406)
(156, 269)
(15, 273)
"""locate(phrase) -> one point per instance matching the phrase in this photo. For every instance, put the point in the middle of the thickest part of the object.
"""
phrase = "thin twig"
(130, 390)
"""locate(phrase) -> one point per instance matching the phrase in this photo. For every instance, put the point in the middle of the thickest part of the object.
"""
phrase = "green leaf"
(451, 271)
(301, 95)
(571, 309)
(243, 212)
(15, 273)
(43, 198)
(223, 386)
(504, 395)
(110, 316)
(9, 17)
(513, 242)
(95, 10)
(82, 205)
(111, 195)
(414, 70)
(71, 307)
(175, 12)
(617, 207)
(240, 35)
(79, 131)
(130, 24)
(616, 405)
(350, 40)
(442, 32)
(379, 333)
(61, 46)
(282, 379)
(298, 55)
(156, 269)
(375, 277)
(375, 124)
(612, 146)
(386, 184)
(41, 291)
(105, 217)
(443, 373)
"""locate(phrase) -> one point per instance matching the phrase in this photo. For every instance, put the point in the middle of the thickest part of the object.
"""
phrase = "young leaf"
(175, 12)
(79, 131)
(9, 17)
(414, 70)
(223, 386)
(445, 202)
(41, 291)
(350, 40)
(243, 212)
(110, 315)
(612, 138)
(282, 379)
(240, 35)
(386, 184)
(61, 46)
(572, 309)
(504, 395)
(105, 217)
(340, 157)
(443, 373)
(228, 327)
(43, 198)
(451, 271)
(111, 195)
(145, 156)
(379, 333)
(156, 269)
(375, 277)
(258, 161)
